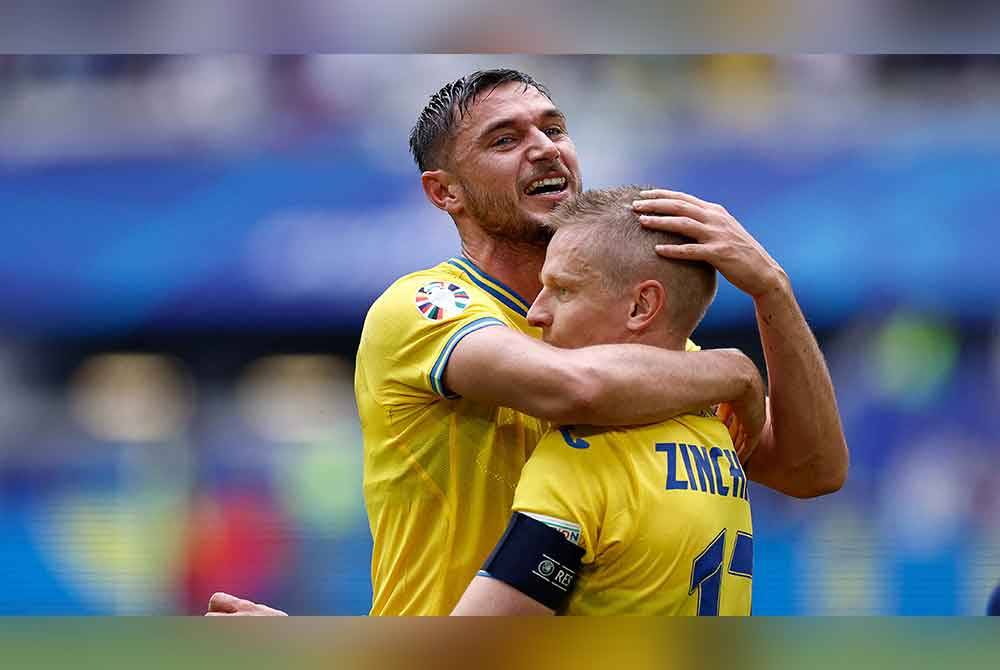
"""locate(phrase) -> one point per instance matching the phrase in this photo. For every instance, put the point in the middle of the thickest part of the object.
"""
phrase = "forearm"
(611, 385)
(802, 451)
(491, 597)
(635, 384)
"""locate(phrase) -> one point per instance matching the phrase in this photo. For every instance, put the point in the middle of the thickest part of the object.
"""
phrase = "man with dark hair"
(616, 520)
(436, 124)
(454, 387)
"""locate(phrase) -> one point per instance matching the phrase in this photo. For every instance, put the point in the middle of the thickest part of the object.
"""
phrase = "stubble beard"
(498, 215)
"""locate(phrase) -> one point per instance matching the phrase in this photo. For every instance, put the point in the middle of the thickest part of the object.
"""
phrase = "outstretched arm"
(620, 384)
(802, 451)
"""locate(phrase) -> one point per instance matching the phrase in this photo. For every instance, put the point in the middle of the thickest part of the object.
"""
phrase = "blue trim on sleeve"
(437, 370)
(472, 271)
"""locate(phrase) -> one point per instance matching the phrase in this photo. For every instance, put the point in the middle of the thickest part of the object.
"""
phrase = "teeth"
(551, 181)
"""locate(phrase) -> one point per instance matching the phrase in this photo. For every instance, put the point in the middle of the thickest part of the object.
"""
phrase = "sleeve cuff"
(437, 370)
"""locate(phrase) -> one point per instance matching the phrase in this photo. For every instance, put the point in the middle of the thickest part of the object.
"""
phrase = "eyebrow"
(559, 277)
(511, 121)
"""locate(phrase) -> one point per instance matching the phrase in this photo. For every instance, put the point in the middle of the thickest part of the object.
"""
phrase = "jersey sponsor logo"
(439, 300)
(571, 531)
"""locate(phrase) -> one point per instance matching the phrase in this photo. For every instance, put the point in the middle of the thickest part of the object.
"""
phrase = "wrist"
(778, 286)
(745, 375)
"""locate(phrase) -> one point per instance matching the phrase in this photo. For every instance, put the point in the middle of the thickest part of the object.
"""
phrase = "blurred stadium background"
(188, 246)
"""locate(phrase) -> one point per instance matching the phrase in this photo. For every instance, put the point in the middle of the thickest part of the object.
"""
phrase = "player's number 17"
(706, 570)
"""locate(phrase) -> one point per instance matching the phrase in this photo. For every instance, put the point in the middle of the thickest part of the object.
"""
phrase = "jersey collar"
(503, 293)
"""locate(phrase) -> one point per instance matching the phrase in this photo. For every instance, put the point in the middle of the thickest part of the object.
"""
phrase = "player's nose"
(538, 316)
(543, 148)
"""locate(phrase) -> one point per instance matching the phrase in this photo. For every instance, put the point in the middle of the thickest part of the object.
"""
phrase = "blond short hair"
(625, 252)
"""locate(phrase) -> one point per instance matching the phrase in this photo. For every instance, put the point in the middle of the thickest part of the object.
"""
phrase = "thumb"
(223, 602)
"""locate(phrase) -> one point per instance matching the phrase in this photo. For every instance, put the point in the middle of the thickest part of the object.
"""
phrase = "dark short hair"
(436, 122)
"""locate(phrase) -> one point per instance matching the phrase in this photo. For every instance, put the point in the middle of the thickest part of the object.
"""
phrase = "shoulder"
(433, 296)
(703, 423)
(414, 326)
(571, 451)
(405, 290)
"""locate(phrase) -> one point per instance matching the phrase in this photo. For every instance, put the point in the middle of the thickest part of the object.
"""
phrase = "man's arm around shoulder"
(620, 384)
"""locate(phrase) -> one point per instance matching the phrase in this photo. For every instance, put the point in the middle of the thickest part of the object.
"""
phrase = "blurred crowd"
(188, 245)
(481, 26)
(64, 107)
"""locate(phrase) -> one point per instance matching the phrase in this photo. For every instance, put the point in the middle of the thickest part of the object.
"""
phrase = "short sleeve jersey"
(662, 512)
(439, 471)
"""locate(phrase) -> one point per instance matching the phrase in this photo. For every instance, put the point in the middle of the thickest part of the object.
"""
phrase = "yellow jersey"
(662, 512)
(439, 471)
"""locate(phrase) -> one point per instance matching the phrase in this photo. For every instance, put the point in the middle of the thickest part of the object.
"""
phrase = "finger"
(674, 195)
(223, 602)
(734, 427)
(724, 411)
(669, 206)
(741, 449)
(686, 252)
(681, 225)
(221, 614)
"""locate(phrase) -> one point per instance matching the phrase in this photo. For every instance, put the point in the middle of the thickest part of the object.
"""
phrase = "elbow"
(838, 473)
(829, 477)
(824, 486)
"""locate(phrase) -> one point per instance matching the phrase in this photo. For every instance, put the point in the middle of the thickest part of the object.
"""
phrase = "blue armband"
(537, 560)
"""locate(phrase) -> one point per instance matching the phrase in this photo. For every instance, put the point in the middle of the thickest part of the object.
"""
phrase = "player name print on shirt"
(711, 464)
(439, 300)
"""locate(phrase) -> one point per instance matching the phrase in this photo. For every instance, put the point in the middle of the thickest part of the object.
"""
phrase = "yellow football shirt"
(439, 471)
(661, 510)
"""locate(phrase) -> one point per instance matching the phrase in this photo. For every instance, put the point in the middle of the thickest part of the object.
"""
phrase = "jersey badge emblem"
(439, 300)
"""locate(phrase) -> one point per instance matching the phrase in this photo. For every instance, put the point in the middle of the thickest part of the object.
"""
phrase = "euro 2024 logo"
(439, 300)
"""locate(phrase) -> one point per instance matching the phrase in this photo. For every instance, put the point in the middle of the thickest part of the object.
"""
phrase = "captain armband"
(536, 559)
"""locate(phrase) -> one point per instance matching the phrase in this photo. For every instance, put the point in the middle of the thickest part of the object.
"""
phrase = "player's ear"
(441, 189)
(648, 300)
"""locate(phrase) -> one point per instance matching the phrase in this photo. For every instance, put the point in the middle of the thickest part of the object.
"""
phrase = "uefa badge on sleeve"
(439, 300)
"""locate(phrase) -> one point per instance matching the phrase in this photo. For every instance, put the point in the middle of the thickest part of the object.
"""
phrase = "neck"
(515, 264)
(665, 338)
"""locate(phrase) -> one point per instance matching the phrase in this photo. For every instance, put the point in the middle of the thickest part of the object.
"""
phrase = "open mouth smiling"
(546, 186)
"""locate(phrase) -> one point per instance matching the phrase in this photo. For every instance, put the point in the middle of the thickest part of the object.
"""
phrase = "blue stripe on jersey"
(479, 278)
(517, 296)
(437, 370)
